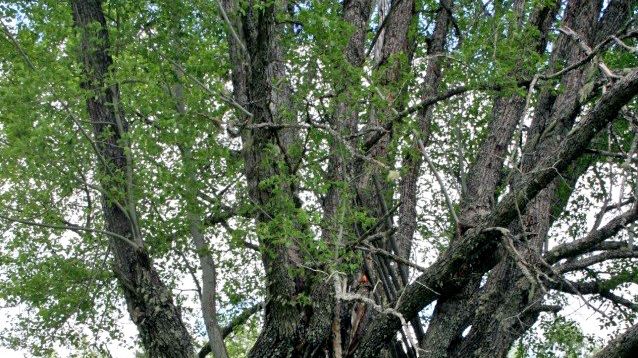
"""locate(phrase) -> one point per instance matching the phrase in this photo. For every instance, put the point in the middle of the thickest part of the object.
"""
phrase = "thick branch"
(596, 259)
(601, 288)
(450, 271)
(592, 239)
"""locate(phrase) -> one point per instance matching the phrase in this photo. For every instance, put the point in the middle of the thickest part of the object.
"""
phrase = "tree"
(338, 167)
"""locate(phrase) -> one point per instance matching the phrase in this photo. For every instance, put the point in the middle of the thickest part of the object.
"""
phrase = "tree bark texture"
(148, 300)
(488, 213)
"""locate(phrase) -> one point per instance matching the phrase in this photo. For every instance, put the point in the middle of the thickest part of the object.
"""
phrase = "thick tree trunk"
(474, 251)
(623, 346)
(452, 315)
(507, 292)
(304, 330)
(149, 301)
(341, 287)
(258, 74)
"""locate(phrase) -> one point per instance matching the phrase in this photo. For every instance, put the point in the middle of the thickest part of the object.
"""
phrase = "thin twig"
(72, 228)
(448, 201)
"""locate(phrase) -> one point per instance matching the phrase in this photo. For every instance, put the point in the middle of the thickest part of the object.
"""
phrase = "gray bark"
(473, 252)
(453, 314)
(257, 75)
(149, 301)
(297, 330)
(413, 161)
(507, 294)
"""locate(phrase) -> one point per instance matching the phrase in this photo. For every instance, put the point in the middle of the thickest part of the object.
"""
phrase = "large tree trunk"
(337, 265)
(292, 329)
(507, 292)
(149, 301)
(452, 315)
(257, 79)
(474, 251)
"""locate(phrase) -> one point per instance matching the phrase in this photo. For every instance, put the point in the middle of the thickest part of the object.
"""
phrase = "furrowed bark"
(509, 304)
(373, 193)
(507, 293)
(149, 301)
(289, 329)
(472, 252)
(258, 85)
(344, 315)
(322, 212)
(413, 161)
(508, 214)
(452, 314)
(493, 314)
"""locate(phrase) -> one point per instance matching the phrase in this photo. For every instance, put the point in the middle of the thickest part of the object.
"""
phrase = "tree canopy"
(311, 178)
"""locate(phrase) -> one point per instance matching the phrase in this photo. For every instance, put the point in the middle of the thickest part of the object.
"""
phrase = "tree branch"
(230, 327)
(592, 239)
(469, 253)
(595, 259)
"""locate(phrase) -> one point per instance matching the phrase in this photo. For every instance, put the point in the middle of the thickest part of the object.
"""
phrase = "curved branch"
(601, 288)
(230, 327)
(596, 259)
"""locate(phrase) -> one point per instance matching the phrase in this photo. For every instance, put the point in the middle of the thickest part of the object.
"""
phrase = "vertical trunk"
(507, 293)
(336, 203)
(453, 314)
(396, 41)
(259, 86)
(373, 192)
(344, 120)
(412, 162)
(149, 302)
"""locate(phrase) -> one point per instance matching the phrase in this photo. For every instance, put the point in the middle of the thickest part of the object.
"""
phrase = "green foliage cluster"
(559, 337)
(54, 259)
